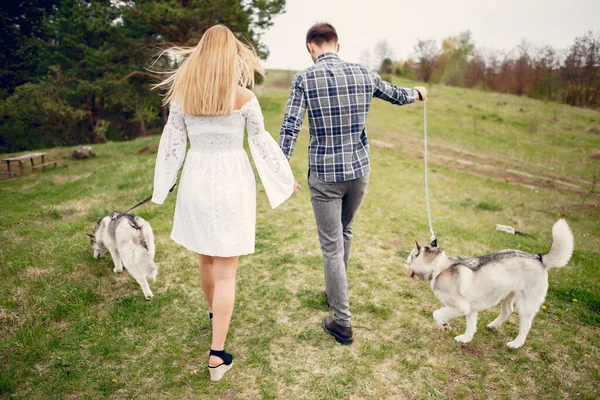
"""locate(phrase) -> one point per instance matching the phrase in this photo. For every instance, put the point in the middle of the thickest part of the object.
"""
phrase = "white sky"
(499, 24)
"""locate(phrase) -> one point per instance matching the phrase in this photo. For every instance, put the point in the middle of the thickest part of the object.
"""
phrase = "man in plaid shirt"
(337, 96)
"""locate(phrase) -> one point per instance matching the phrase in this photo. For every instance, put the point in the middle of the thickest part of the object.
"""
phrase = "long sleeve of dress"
(171, 153)
(272, 165)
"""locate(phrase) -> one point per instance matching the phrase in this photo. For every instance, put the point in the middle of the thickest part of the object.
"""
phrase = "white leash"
(433, 239)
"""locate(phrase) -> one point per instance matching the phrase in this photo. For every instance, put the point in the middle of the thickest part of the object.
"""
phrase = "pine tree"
(78, 67)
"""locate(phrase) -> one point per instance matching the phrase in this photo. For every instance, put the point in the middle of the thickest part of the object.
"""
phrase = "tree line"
(74, 71)
(570, 76)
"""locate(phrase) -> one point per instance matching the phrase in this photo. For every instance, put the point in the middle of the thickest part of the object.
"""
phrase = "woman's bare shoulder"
(243, 96)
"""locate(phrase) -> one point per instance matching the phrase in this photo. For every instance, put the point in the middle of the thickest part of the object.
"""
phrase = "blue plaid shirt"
(338, 97)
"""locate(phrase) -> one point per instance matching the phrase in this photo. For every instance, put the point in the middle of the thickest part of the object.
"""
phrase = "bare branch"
(129, 75)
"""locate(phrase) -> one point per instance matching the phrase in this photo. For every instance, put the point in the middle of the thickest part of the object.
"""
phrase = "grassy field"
(72, 329)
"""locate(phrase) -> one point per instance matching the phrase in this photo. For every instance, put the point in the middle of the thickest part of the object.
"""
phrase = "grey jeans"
(335, 204)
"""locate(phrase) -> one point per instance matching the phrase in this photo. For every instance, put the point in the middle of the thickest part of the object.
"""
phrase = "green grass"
(72, 329)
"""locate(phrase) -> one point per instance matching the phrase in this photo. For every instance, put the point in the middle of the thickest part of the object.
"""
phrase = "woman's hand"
(296, 187)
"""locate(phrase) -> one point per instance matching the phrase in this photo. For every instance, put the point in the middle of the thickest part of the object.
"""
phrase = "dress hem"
(212, 253)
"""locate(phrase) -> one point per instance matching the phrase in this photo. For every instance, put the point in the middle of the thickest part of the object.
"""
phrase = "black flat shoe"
(217, 372)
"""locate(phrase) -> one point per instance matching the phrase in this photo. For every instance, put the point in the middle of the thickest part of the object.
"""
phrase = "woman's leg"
(207, 279)
(224, 270)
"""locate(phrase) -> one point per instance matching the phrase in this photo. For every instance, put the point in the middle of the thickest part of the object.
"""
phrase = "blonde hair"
(205, 83)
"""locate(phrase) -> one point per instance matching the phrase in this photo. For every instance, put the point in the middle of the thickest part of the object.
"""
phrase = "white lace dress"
(215, 212)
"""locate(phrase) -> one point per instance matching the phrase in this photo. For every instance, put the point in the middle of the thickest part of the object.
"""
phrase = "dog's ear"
(434, 243)
(90, 235)
(418, 248)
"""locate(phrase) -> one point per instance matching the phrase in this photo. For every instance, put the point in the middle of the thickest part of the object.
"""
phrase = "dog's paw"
(117, 270)
(149, 296)
(463, 338)
(492, 326)
(515, 344)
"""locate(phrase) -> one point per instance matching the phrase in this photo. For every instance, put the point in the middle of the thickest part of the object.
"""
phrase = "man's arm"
(394, 94)
(294, 115)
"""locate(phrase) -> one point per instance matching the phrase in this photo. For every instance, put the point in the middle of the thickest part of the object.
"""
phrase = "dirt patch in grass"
(74, 209)
(33, 272)
(150, 148)
(593, 129)
(31, 185)
(461, 160)
(380, 144)
(470, 350)
(61, 179)
(10, 321)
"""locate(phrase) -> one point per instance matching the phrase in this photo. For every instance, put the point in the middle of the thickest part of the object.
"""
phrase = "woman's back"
(220, 133)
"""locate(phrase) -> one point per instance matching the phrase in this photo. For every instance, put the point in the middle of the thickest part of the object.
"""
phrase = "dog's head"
(423, 260)
(99, 249)
(98, 246)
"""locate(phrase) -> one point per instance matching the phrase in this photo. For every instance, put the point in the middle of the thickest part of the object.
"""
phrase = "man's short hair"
(321, 32)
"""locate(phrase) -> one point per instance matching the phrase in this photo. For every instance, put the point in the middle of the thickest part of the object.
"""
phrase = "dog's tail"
(562, 246)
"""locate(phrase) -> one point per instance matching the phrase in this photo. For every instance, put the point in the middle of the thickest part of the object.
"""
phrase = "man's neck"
(319, 51)
(325, 50)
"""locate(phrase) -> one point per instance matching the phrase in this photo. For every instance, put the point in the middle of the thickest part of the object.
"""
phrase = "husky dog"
(468, 285)
(130, 241)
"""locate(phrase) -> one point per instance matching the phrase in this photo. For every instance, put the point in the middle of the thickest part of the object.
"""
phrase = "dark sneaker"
(341, 334)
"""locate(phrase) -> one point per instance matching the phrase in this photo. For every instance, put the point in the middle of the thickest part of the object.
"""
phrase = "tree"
(91, 59)
(456, 53)
(522, 69)
(22, 40)
(151, 24)
(492, 67)
(387, 66)
(475, 73)
(546, 76)
(427, 54)
(580, 73)
(365, 58)
(408, 69)
(382, 51)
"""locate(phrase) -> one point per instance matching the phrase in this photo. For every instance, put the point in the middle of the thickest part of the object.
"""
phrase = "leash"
(425, 154)
(140, 203)
(511, 230)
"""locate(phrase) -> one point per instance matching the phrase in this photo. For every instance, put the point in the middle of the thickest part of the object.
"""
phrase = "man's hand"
(296, 187)
(423, 92)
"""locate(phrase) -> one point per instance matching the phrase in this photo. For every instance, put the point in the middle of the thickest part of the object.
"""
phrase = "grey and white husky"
(468, 285)
(130, 241)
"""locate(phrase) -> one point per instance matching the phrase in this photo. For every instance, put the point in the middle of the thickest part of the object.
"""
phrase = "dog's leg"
(526, 310)
(151, 270)
(116, 257)
(507, 309)
(140, 277)
(154, 271)
(444, 314)
(471, 328)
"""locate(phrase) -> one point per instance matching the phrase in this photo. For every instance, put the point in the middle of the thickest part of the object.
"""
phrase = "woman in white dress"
(215, 211)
